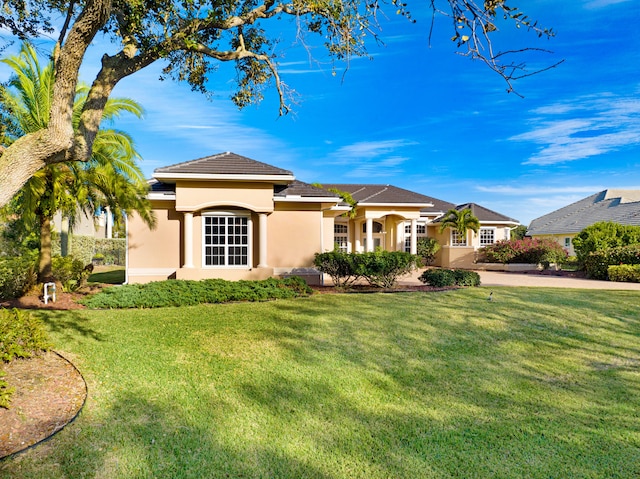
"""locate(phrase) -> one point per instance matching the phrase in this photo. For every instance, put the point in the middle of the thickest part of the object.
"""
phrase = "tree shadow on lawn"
(143, 438)
(69, 323)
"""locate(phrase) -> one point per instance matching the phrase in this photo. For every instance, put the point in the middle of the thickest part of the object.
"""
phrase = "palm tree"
(111, 178)
(461, 221)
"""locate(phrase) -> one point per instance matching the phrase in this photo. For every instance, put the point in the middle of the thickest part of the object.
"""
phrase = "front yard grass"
(537, 383)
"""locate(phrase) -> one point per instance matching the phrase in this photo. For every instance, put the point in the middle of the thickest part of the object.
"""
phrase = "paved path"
(498, 278)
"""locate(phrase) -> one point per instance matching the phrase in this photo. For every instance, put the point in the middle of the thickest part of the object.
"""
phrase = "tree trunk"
(45, 271)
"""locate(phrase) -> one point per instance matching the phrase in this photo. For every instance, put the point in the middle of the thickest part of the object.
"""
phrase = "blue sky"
(423, 118)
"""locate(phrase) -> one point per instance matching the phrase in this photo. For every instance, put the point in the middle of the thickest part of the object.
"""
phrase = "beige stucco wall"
(458, 257)
(154, 255)
(195, 196)
(295, 234)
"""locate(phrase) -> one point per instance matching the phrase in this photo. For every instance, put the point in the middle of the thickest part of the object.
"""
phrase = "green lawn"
(538, 383)
(107, 275)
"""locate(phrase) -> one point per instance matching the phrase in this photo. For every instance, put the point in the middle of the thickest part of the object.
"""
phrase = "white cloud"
(593, 4)
(371, 149)
(581, 128)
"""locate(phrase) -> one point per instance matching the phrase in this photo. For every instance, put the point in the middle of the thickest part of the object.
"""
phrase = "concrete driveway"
(498, 278)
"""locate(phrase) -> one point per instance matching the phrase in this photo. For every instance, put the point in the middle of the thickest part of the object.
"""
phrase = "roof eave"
(305, 199)
(173, 177)
(398, 205)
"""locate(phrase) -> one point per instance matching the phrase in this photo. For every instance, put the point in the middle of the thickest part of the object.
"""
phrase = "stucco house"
(619, 206)
(228, 216)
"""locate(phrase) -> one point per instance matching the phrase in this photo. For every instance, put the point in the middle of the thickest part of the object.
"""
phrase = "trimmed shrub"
(465, 277)
(383, 268)
(17, 276)
(380, 268)
(175, 292)
(427, 248)
(338, 265)
(597, 263)
(602, 236)
(526, 250)
(441, 278)
(629, 273)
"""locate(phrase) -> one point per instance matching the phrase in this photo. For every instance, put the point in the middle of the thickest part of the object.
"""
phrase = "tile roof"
(483, 214)
(299, 188)
(439, 206)
(223, 164)
(619, 206)
(380, 194)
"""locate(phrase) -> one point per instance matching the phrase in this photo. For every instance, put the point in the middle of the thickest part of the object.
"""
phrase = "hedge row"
(175, 292)
(441, 278)
(597, 263)
(379, 268)
(525, 250)
(629, 273)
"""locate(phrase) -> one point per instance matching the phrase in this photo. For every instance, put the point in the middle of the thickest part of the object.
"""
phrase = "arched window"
(377, 227)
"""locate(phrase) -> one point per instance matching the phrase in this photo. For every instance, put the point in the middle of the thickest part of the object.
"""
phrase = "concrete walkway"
(498, 278)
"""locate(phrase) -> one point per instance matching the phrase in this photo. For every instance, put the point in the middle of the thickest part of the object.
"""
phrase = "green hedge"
(441, 278)
(175, 292)
(597, 263)
(629, 273)
(379, 268)
(604, 235)
(526, 250)
(113, 249)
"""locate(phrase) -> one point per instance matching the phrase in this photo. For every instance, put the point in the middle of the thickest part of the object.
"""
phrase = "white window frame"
(341, 238)
(419, 234)
(455, 238)
(249, 236)
(567, 242)
(493, 232)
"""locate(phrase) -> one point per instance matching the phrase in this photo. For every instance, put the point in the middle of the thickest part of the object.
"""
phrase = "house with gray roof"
(619, 206)
(231, 217)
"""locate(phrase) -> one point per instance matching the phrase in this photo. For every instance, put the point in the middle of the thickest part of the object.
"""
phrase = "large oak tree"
(191, 36)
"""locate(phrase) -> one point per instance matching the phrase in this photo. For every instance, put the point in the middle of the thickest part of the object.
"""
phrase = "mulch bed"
(50, 392)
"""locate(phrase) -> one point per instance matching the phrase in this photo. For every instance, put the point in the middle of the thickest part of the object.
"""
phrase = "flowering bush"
(525, 250)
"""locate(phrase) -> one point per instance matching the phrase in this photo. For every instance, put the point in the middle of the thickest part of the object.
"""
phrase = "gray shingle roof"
(619, 206)
(223, 164)
(380, 194)
(299, 188)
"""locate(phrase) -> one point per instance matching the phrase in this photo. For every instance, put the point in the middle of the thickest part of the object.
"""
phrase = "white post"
(369, 234)
(188, 240)
(109, 219)
(262, 235)
(414, 236)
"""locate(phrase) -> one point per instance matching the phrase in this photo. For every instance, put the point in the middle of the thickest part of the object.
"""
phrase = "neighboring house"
(227, 216)
(619, 206)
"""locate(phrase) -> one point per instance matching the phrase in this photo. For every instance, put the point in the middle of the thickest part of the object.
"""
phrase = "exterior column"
(369, 234)
(188, 240)
(109, 219)
(414, 236)
(357, 237)
(262, 245)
